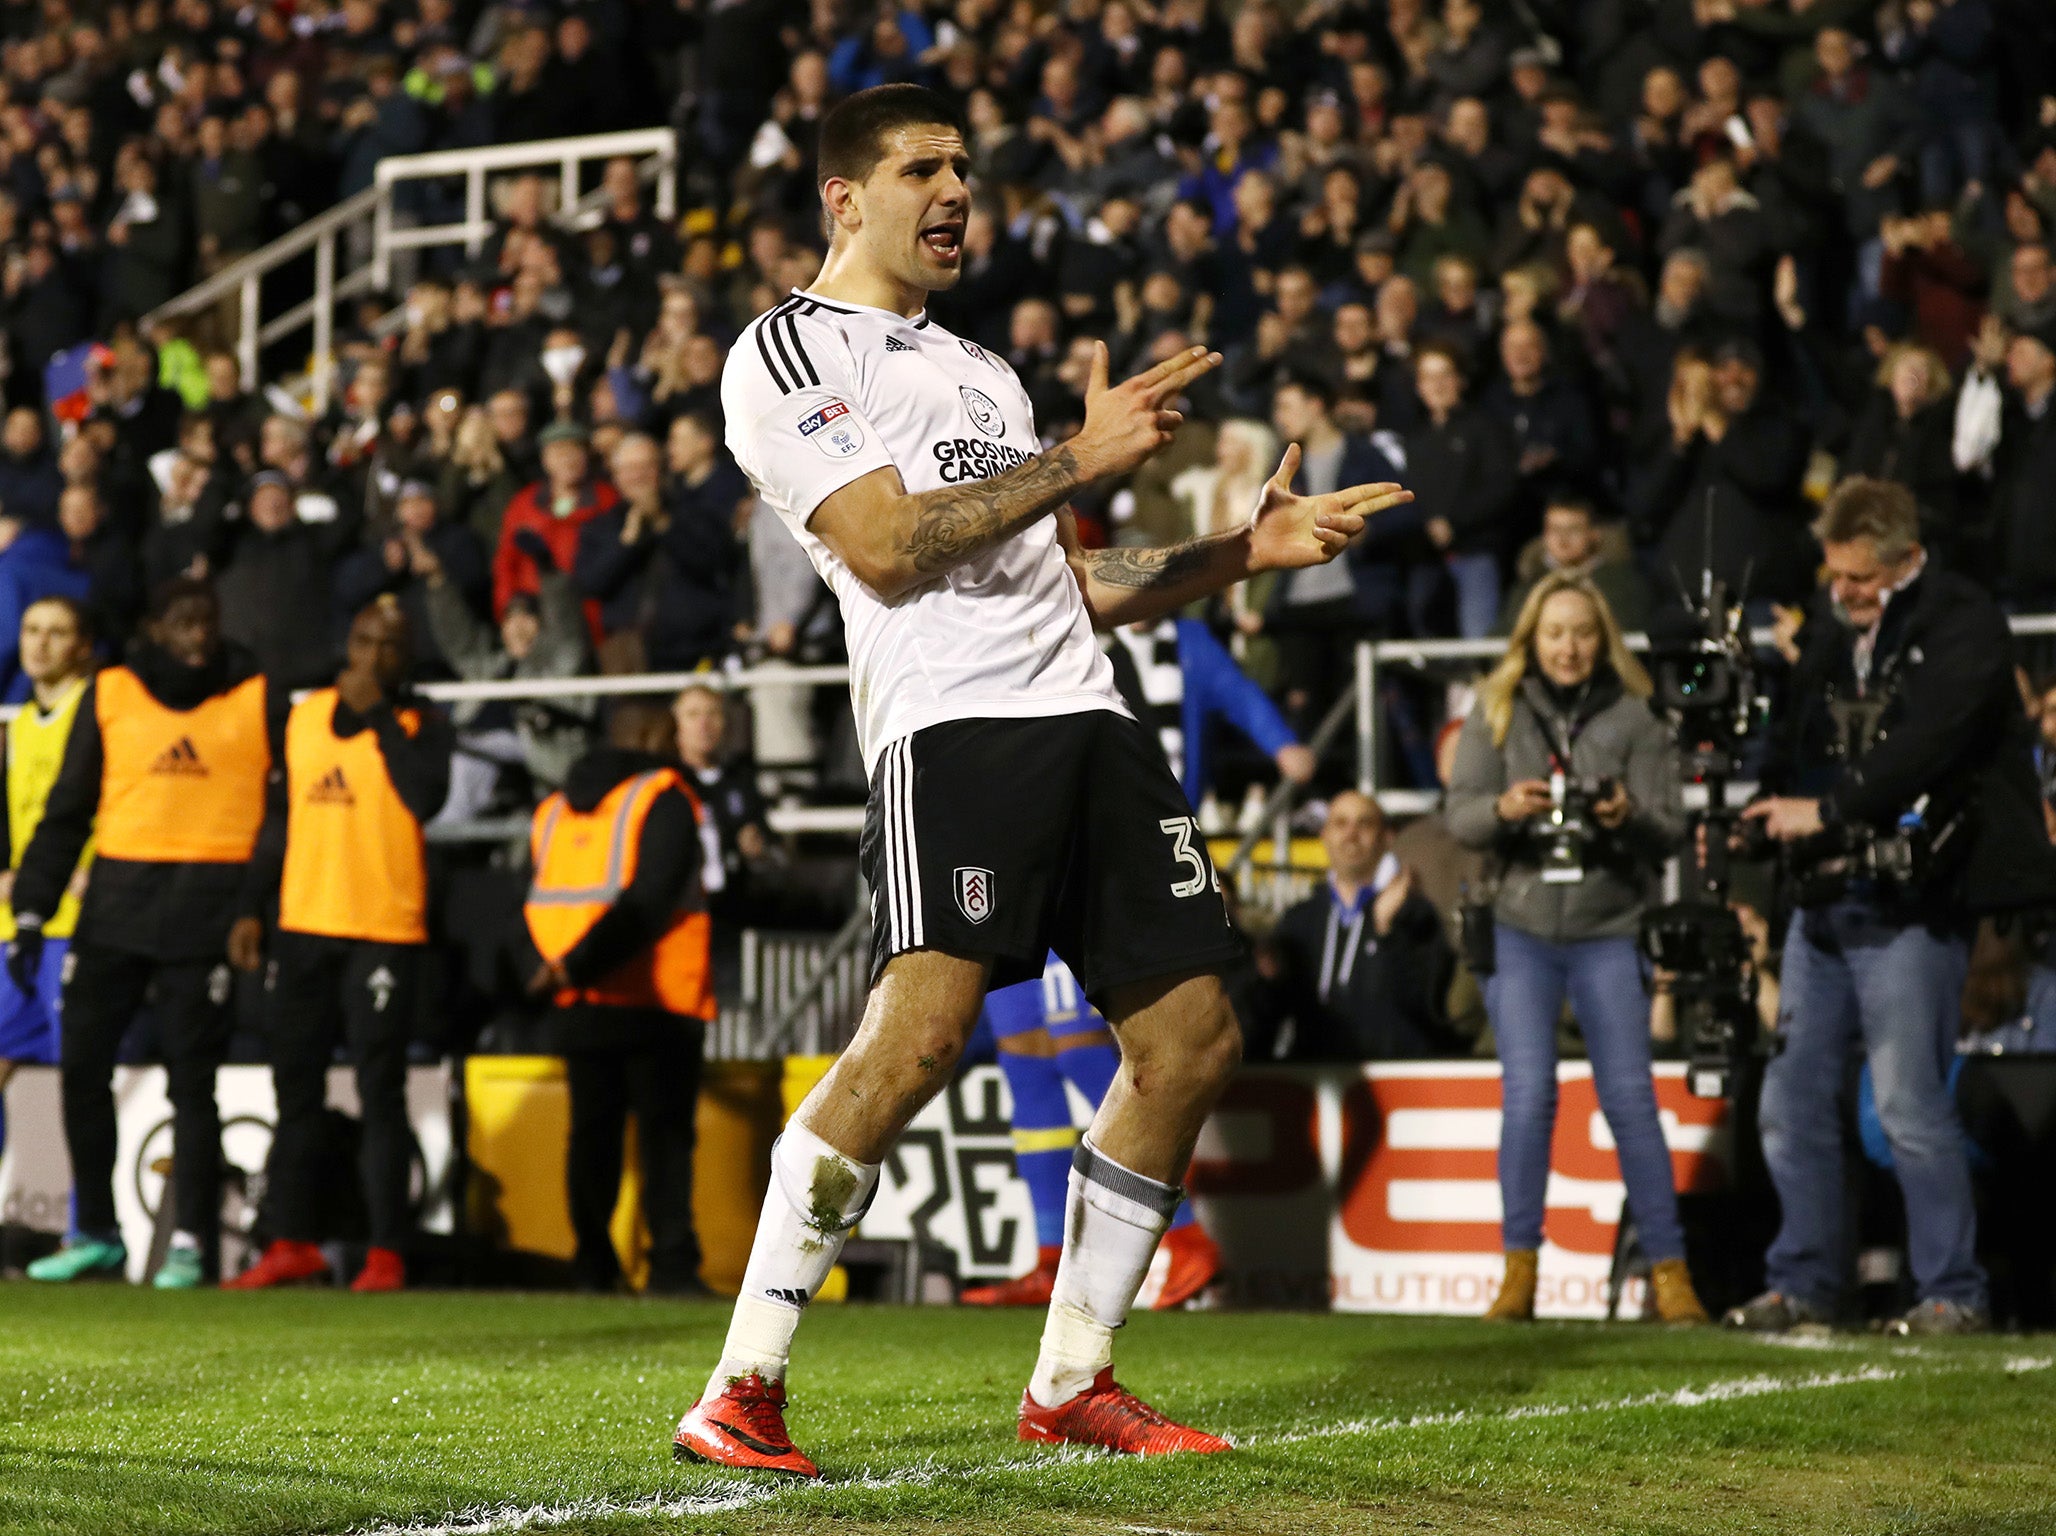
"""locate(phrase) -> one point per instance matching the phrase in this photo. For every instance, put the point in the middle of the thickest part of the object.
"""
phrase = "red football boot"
(285, 1262)
(1114, 1418)
(384, 1270)
(744, 1427)
(1029, 1290)
(1195, 1260)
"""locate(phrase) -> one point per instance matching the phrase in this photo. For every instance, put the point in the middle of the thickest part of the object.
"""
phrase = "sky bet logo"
(833, 431)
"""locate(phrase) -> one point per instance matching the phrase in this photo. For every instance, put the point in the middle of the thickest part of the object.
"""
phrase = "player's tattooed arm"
(893, 541)
(959, 521)
(1286, 531)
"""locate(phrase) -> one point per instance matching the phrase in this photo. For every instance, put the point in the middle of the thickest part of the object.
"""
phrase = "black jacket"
(1951, 727)
(164, 911)
(1385, 1002)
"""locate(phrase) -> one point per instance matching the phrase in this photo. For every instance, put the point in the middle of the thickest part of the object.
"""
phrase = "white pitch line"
(723, 1499)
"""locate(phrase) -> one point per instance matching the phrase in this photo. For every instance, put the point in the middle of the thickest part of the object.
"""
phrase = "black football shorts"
(1010, 838)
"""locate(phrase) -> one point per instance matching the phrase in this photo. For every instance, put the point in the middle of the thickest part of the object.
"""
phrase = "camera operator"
(1902, 776)
(1565, 775)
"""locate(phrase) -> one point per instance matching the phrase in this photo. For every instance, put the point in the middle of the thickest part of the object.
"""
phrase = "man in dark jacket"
(1360, 970)
(1388, 583)
(665, 561)
(165, 768)
(1902, 705)
(29, 481)
(1725, 490)
(277, 596)
(2008, 437)
(624, 948)
(1461, 465)
(419, 544)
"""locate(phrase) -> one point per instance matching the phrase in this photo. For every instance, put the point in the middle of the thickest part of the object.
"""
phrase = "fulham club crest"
(974, 893)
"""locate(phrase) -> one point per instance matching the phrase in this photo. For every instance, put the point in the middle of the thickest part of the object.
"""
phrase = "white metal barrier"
(368, 232)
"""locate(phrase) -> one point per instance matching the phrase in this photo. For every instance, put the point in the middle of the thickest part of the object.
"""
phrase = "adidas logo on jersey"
(331, 789)
(894, 344)
(181, 757)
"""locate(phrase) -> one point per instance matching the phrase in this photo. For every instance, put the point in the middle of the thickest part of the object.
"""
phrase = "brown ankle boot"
(1515, 1302)
(1676, 1301)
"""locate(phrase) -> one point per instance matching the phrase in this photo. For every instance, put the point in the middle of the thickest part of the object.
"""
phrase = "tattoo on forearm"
(952, 525)
(1146, 569)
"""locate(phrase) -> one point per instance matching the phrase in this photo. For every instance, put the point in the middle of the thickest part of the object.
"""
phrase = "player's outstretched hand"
(1288, 530)
(1125, 423)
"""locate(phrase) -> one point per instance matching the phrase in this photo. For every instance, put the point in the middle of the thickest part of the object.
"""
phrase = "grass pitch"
(129, 1411)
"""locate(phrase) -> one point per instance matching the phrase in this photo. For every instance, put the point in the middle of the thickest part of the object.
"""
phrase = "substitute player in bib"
(363, 767)
(1016, 806)
(57, 658)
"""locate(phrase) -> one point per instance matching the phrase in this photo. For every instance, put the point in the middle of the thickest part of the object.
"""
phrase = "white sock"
(1113, 1221)
(816, 1196)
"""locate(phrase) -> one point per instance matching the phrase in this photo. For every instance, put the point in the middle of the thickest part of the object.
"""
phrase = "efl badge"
(834, 430)
(974, 893)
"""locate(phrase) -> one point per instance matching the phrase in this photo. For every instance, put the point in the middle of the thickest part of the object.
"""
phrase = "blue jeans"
(1852, 975)
(1604, 981)
(1477, 594)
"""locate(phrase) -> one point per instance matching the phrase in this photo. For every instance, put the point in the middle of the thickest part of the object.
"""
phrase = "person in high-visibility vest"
(342, 852)
(165, 767)
(618, 913)
(57, 659)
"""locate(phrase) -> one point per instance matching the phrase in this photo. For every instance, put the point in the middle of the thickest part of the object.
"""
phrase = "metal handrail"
(570, 156)
(243, 276)
(265, 259)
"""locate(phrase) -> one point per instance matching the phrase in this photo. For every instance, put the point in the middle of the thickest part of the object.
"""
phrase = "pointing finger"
(1153, 378)
(1184, 374)
(1288, 467)
(1096, 378)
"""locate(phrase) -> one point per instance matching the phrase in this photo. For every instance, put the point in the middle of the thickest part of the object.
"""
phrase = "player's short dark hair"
(169, 594)
(853, 135)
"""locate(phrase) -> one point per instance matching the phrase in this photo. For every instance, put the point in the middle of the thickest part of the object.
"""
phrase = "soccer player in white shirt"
(1016, 806)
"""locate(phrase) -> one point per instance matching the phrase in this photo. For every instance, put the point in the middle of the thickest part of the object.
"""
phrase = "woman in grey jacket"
(1565, 716)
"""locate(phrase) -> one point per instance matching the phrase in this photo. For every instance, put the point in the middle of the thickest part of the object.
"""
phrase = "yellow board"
(1303, 852)
(519, 1125)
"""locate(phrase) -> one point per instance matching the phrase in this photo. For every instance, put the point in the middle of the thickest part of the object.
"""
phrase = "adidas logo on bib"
(181, 757)
(331, 789)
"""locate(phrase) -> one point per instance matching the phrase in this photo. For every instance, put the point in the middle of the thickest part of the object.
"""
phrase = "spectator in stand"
(1725, 225)
(1360, 970)
(1463, 469)
(113, 590)
(2005, 437)
(277, 585)
(624, 941)
(2026, 300)
(1724, 490)
(1547, 416)
(1930, 276)
(362, 767)
(1905, 435)
(420, 542)
(542, 523)
(734, 821)
(29, 481)
(1573, 542)
(666, 562)
(1315, 616)
(541, 636)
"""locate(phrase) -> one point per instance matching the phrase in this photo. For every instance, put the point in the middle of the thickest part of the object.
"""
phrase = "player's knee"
(1219, 1050)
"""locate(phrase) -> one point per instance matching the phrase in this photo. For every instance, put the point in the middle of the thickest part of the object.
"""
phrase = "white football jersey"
(819, 392)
